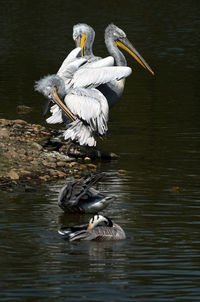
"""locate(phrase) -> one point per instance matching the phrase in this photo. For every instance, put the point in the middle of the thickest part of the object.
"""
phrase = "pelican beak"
(127, 46)
(60, 104)
(82, 43)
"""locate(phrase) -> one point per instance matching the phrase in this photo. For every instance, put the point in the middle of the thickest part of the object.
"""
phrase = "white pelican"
(86, 106)
(99, 228)
(84, 35)
(115, 37)
(79, 196)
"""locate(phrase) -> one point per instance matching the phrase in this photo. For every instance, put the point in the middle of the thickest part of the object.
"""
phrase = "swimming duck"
(99, 228)
(79, 196)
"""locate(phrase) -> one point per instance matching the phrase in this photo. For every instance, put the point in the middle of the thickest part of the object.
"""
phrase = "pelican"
(83, 36)
(99, 228)
(115, 38)
(75, 83)
(79, 196)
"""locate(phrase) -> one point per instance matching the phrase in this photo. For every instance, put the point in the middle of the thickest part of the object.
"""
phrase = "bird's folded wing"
(89, 105)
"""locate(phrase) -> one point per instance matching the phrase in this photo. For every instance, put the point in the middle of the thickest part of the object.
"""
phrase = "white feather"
(73, 55)
(80, 133)
(89, 105)
(86, 77)
(56, 116)
(108, 61)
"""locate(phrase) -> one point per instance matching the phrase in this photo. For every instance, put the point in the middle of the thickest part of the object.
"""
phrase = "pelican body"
(115, 38)
(79, 196)
(99, 228)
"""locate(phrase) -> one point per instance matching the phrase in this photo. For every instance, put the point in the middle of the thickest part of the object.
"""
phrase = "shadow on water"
(155, 129)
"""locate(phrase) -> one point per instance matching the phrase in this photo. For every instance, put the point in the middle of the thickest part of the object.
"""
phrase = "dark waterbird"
(79, 196)
(99, 228)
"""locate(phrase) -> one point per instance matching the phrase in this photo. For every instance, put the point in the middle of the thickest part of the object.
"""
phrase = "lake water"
(155, 128)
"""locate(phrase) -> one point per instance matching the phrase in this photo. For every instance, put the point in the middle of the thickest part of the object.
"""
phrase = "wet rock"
(121, 171)
(22, 109)
(87, 158)
(92, 166)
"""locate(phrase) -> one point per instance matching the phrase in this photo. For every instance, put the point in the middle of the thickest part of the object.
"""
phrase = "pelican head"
(83, 36)
(118, 36)
(99, 220)
(47, 84)
(53, 87)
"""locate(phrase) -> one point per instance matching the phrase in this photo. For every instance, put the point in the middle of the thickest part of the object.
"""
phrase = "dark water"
(155, 129)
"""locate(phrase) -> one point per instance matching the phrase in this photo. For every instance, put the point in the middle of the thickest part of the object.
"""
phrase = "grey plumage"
(100, 228)
(79, 196)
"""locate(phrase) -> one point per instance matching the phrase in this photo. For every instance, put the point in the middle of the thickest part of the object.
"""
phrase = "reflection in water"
(154, 129)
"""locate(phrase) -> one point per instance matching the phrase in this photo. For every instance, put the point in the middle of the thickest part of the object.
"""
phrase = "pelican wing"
(73, 55)
(89, 105)
(56, 116)
(108, 61)
(69, 69)
(86, 77)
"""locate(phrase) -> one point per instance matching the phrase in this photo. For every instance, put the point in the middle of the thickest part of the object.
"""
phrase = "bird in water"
(73, 89)
(115, 38)
(79, 196)
(100, 228)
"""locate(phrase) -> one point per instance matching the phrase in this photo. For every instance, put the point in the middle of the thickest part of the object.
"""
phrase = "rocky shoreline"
(29, 153)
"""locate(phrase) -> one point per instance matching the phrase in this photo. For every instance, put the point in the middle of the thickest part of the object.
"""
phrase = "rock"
(4, 122)
(13, 175)
(73, 164)
(61, 174)
(44, 177)
(20, 122)
(50, 164)
(92, 166)
(24, 172)
(4, 132)
(87, 158)
(83, 167)
(52, 172)
(121, 171)
(36, 146)
(61, 164)
(22, 109)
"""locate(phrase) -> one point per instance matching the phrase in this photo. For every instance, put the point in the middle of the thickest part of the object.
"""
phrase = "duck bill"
(89, 227)
(62, 106)
(127, 46)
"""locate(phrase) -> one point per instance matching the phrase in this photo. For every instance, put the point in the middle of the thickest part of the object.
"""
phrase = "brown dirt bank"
(29, 153)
